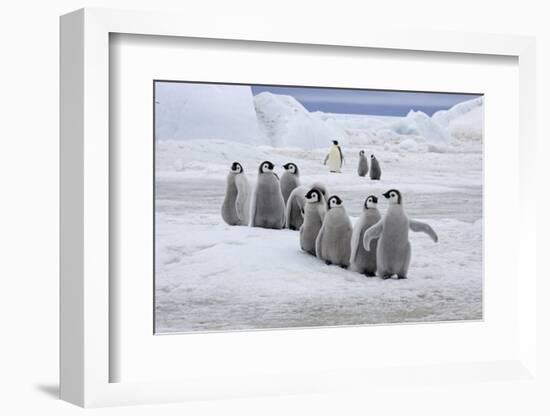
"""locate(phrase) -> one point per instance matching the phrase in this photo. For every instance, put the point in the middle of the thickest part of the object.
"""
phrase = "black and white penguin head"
(320, 187)
(372, 157)
(291, 167)
(362, 153)
(393, 195)
(335, 142)
(266, 167)
(236, 167)
(314, 195)
(334, 202)
(371, 202)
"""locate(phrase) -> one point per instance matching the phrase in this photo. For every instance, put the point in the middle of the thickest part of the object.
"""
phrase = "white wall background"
(29, 187)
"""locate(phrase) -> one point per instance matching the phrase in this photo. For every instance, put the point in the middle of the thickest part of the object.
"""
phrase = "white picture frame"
(85, 353)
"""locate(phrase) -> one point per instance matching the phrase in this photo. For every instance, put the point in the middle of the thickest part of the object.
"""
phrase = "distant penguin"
(333, 244)
(363, 166)
(236, 204)
(314, 213)
(294, 211)
(290, 180)
(268, 207)
(334, 158)
(393, 253)
(375, 171)
(363, 261)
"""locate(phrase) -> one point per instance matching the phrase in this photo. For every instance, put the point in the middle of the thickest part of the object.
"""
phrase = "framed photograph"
(271, 214)
(258, 188)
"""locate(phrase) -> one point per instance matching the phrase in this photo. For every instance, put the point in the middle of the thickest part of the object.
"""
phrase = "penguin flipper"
(322, 212)
(243, 198)
(419, 226)
(318, 242)
(373, 232)
(355, 241)
(252, 209)
(341, 156)
(288, 207)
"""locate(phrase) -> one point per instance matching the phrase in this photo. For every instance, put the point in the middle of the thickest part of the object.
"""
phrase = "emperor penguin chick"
(333, 244)
(363, 261)
(393, 253)
(289, 180)
(375, 171)
(294, 211)
(314, 213)
(363, 166)
(236, 204)
(268, 207)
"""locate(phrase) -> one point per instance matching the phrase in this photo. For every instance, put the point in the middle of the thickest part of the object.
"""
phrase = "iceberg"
(464, 121)
(186, 111)
(287, 123)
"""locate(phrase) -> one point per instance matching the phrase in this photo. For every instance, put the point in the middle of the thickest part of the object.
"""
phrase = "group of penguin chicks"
(376, 245)
(363, 167)
(335, 159)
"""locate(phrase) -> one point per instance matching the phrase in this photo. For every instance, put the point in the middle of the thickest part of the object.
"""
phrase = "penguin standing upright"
(363, 166)
(268, 207)
(375, 171)
(333, 244)
(393, 253)
(294, 211)
(289, 180)
(334, 158)
(363, 261)
(236, 204)
(314, 213)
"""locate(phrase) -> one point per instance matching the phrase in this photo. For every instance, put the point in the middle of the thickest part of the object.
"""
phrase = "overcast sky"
(387, 103)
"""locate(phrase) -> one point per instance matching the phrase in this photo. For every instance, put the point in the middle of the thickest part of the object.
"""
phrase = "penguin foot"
(343, 266)
(401, 277)
(328, 262)
(370, 274)
(386, 277)
(293, 228)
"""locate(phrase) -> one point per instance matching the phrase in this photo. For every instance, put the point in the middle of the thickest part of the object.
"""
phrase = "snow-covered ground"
(211, 276)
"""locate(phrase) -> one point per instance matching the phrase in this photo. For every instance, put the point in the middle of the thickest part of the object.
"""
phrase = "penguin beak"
(386, 195)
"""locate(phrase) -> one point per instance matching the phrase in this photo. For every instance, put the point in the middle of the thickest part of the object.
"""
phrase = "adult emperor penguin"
(363, 166)
(334, 158)
(314, 213)
(333, 244)
(268, 207)
(294, 211)
(363, 261)
(375, 171)
(290, 180)
(393, 253)
(236, 204)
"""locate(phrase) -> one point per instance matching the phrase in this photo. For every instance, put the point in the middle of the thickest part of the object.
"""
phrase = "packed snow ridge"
(233, 114)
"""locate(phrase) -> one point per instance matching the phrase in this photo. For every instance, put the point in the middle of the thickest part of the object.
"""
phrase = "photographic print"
(295, 207)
